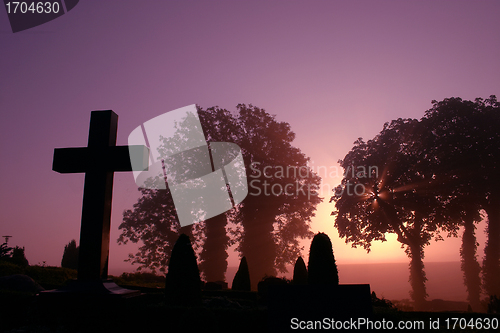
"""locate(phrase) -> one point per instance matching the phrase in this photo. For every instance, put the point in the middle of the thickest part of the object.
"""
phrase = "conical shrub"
(322, 269)
(183, 283)
(241, 280)
(299, 272)
(70, 255)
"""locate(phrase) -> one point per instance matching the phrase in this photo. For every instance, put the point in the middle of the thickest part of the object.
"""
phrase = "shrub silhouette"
(8, 268)
(299, 272)
(50, 276)
(381, 302)
(241, 280)
(322, 269)
(183, 283)
(141, 279)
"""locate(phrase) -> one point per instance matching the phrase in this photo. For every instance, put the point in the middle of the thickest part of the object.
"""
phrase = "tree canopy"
(267, 225)
(18, 257)
(463, 138)
(417, 178)
(389, 190)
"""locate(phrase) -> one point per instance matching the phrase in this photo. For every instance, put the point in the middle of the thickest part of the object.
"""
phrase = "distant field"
(391, 280)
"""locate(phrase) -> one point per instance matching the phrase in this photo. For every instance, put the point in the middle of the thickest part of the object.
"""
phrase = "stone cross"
(99, 160)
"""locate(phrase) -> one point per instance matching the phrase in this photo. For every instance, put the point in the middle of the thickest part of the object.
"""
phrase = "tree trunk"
(491, 263)
(188, 231)
(470, 266)
(258, 244)
(417, 276)
(214, 254)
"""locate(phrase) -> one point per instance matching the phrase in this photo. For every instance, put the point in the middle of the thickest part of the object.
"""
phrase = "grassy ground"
(22, 312)
(220, 311)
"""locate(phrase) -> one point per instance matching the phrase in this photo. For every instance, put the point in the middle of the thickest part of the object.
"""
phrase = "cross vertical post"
(97, 196)
(99, 160)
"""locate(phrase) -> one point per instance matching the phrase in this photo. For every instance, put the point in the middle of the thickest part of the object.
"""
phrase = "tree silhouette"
(299, 272)
(183, 283)
(437, 174)
(322, 269)
(463, 137)
(5, 251)
(273, 222)
(241, 280)
(388, 188)
(18, 257)
(14, 255)
(70, 255)
(267, 225)
(153, 221)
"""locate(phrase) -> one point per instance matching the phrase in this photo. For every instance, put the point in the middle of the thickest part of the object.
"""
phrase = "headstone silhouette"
(99, 160)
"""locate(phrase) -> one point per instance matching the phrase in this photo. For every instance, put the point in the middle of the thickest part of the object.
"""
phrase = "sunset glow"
(335, 71)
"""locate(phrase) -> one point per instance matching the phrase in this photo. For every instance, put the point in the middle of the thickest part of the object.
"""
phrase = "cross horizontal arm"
(114, 158)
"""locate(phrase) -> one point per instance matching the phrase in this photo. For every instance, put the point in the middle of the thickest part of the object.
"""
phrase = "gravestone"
(99, 160)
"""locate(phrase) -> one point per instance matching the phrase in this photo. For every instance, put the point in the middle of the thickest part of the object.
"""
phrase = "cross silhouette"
(99, 160)
(6, 238)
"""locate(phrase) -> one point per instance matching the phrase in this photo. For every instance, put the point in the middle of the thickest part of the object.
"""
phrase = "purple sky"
(334, 70)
